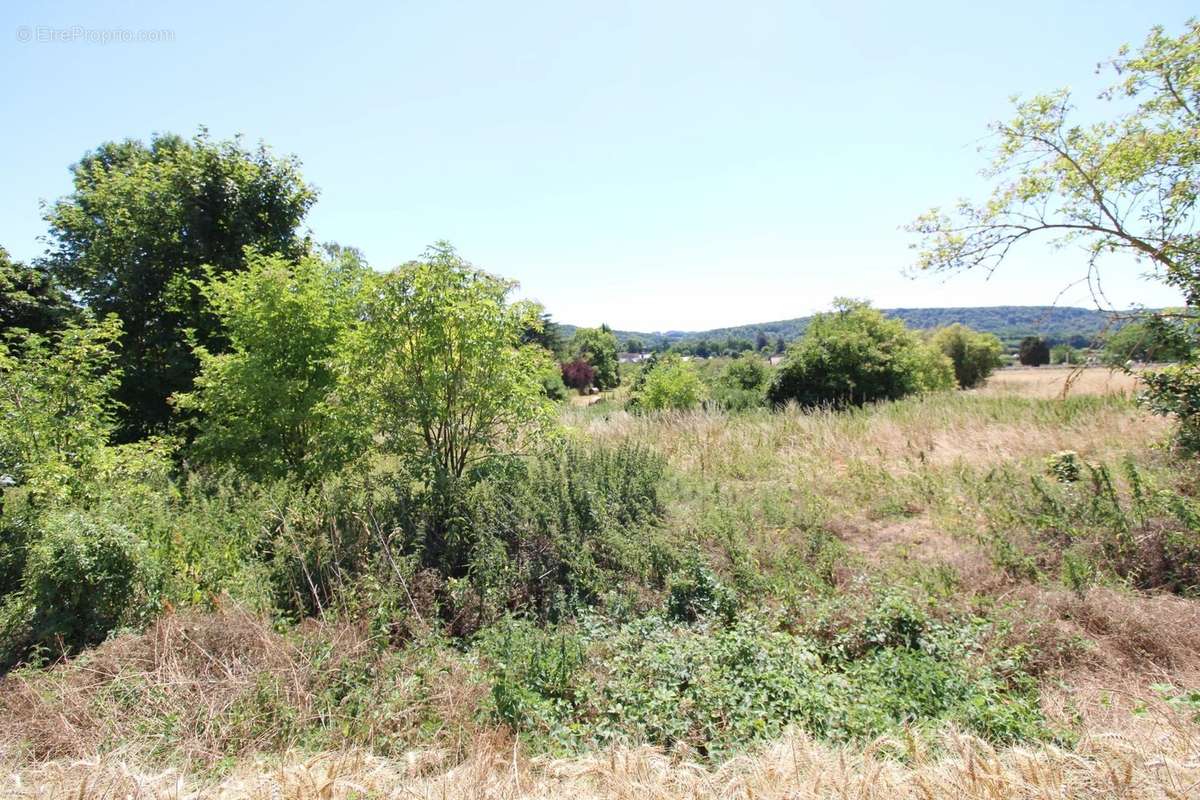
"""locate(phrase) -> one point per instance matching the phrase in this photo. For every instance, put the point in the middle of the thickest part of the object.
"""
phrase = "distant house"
(775, 360)
(632, 358)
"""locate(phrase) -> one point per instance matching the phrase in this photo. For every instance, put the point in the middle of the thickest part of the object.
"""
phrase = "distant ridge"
(1076, 326)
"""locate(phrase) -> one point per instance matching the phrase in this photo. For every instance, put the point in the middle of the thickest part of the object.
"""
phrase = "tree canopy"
(598, 346)
(30, 300)
(145, 225)
(855, 355)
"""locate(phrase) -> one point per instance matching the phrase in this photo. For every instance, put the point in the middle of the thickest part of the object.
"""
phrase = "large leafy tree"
(261, 404)
(30, 301)
(144, 226)
(1125, 186)
(855, 355)
(598, 346)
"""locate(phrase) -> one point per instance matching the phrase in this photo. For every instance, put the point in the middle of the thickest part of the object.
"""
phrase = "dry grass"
(1052, 382)
(1098, 653)
(904, 438)
(1159, 762)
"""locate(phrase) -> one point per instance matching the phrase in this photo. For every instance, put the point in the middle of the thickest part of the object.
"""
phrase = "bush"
(670, 385)
(82, 578)
(598, 347)
(742, 384)
(855, 355)
(975, 355)
(550, 534)
(720, 688)
(260, 405)
(1175, 391)
(1154, 338)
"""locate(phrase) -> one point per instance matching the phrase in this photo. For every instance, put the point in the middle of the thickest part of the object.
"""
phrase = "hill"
(1076, 326)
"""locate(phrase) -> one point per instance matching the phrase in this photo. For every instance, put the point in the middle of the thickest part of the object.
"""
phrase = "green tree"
(144, 223)
(855, 355)
(260, 405)
(438, 370)
(975, 355)
(1033, 351)
(545, 333)
(57, 410)
(671, 385)
(760, 341)
(30, 300)
(1154, 338)
(598, 346)
(1125, 186)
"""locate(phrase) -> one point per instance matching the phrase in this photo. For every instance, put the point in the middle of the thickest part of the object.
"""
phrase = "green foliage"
(1033, 351)
(598, 346)
(1065, 466)
(742, 384)
(670, 385)
(1127, 185)
(81, 579)
(144, 224)
(437, 370)
(550, 534)
(1087, 527)
(1175, 391)
(1065, 354)
(696, 592)
(974, 355)
(854, 355)
(261, 404)
(721, 688)
(56, 407)
(30, 300)
(1152, 339)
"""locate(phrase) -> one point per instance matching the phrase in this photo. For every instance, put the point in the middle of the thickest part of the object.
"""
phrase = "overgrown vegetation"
(351, 513)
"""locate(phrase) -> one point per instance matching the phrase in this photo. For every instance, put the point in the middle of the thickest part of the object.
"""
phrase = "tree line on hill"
(1077, 327)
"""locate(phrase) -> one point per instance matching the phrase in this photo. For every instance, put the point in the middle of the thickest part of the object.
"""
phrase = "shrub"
(82, 578)
(1175, 391)
(975, 355)
(56, 406)
(1154, 338)
(855, 355)
(548, 534)
(671, 385)
(742, 384)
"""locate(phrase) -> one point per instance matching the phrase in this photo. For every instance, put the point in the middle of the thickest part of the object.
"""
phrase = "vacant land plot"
(1056, 531)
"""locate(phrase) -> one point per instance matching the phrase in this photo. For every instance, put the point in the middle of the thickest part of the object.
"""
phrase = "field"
(817, 516)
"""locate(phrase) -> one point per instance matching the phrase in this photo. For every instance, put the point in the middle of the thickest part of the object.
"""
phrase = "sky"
(653, 165)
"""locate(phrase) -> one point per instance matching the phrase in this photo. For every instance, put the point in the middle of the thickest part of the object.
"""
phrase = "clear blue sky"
(650, 164)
